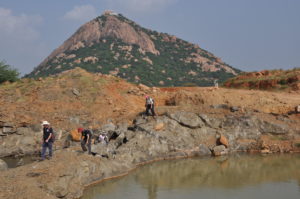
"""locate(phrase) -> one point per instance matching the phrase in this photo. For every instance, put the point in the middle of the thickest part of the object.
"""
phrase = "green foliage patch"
(7, 73)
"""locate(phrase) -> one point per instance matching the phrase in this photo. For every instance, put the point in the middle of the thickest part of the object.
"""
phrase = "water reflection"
(152, 191)
(247, 174)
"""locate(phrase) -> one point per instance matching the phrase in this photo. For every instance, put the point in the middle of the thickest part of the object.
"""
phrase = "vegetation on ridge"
(178, 63)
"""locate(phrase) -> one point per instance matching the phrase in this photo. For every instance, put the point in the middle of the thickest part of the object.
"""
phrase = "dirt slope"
(284, 80)
(77, 97)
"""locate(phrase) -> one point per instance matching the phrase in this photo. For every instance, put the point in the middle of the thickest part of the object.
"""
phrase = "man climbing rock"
(149, 106)
(86, 139)
(47, 139)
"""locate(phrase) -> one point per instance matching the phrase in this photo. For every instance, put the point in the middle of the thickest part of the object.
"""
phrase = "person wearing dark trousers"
(47, 139)
(149, 106)
(86, 139)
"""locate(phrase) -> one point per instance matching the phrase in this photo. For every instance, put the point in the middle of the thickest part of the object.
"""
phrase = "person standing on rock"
(149, 106)
(47, 139)
(86, 139)
(216, 83)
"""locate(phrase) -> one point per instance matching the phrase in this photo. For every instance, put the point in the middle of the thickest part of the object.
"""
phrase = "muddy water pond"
(234, 177)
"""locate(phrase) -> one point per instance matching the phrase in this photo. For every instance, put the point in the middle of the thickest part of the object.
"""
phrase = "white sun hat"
(45, 123)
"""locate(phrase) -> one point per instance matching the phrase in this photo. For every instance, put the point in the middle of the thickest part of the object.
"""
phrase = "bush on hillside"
(7, 73)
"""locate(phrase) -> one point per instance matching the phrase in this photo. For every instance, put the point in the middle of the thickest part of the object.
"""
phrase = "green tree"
(7, 73)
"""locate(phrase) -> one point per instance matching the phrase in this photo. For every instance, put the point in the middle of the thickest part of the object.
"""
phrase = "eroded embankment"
(170, 135)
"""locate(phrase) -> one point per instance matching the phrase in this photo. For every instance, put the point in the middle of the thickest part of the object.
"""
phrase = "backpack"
(92, 132)
(53, 136)
(149, 101)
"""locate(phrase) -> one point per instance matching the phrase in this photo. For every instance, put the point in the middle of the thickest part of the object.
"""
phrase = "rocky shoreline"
(173, 134)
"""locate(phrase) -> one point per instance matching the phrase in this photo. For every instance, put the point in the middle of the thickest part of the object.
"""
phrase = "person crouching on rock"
(47, 139)
(149, 106)
(103, 139)
(85, 139)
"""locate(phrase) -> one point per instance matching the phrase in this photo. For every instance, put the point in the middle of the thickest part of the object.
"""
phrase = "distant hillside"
(113, 44)
(267, 80)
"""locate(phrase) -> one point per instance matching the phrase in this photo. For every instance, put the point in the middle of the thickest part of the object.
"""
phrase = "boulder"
(234, 108)
(210, 121)
(36, 127)
(60, 187)
(15, 144)
(220, 106)
(23, 131)
(75, 120)
(108, 127)
(119, 140)
(8, 130)
(122, 127)
(3, 165)
(138, 121)
(220, 150)
(265, 151)
(1, 133)
(204, 150)
(75, 135)
(27, 141)
(273, 128)
(143, 87)
(222, 140)
(159, 126)
(187, 119)
(234, 121)
(75, 92)
(6, 124)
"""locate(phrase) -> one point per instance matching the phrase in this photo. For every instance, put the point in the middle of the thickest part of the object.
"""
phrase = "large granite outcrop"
(177, 131)
(16, 140)
(180, 134)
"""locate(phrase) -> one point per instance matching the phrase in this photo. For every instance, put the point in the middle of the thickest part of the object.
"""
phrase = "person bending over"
(86, 139)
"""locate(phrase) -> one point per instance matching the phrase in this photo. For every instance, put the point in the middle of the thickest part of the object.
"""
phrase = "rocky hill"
(113, 44)
(284, 80)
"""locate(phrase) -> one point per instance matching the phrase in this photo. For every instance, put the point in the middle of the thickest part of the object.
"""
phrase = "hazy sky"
(247, 34)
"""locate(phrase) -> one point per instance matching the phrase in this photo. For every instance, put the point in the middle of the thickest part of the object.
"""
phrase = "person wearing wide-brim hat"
(47, 139)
